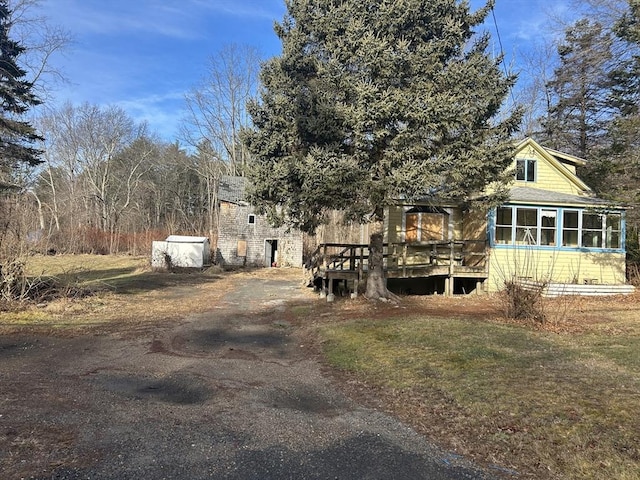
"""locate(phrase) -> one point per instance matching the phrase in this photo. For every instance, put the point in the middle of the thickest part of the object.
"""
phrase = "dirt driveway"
(232, 393)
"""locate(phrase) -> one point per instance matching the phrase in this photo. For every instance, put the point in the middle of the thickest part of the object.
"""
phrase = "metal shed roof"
(185, 239)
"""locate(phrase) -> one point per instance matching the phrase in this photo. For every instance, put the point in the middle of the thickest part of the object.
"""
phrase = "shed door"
(270, 253)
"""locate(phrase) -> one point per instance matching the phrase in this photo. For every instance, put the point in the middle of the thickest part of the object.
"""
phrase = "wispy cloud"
(162, 112)
(122, 16)
(184, 19)
(267, 9)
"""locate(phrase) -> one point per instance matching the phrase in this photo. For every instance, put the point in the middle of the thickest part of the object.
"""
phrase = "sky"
(145, 55)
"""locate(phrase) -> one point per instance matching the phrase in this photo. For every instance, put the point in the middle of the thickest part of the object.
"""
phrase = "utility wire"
(504, 66)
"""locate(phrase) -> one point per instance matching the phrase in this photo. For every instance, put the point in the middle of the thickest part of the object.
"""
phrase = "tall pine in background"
(579, 91)
(17, 136)
(372, 101)
(620, 169)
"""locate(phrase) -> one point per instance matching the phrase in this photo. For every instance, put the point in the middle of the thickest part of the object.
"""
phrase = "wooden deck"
(451, 260)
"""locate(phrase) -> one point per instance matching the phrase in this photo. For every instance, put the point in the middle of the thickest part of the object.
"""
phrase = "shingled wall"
(241, 243)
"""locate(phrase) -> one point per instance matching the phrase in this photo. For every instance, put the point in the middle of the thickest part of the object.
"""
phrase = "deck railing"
(401, 256)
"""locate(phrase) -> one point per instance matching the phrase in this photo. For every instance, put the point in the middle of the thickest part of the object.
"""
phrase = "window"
(601, 230)
(591, 230)
(526, 170)
(548, 227)
(423, 224)
(526, 226)
(570, 228)
(613, 233)
(504, 222)
(539, 226)
(252, 219)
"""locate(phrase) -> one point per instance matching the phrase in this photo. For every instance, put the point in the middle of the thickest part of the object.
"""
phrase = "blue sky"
(144, 55)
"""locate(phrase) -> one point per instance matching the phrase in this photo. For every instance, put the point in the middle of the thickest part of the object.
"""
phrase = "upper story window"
(526, 170)
(252, 219)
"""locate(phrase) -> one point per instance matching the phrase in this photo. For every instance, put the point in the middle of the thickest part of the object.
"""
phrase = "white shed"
(181, 251)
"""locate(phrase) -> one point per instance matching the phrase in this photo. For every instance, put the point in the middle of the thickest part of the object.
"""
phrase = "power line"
(504, 66)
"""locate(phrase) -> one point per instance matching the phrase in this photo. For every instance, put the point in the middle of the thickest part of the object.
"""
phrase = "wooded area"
(89, 179)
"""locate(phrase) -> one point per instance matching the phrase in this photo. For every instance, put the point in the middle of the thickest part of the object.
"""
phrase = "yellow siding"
(456, 224)
(557, 266)
(393, 231)
(475, 225)
(547, 175)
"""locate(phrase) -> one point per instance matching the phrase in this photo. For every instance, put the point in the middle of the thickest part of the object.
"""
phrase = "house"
(246, 238)
(552, 229)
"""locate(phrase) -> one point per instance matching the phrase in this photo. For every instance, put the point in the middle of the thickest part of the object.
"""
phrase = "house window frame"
(605, 230)
(610, 229)
(525, 226)
(429, 211)
(528, 171)
(251, 219)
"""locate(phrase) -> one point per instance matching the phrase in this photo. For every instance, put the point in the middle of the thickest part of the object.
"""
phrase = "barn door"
(270, 253)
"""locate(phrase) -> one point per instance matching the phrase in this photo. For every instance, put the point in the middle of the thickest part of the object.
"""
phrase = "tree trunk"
(376, 279)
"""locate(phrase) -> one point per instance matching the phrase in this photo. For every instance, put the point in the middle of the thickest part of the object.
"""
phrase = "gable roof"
(231, 189)
(565, 157)
(556, 159)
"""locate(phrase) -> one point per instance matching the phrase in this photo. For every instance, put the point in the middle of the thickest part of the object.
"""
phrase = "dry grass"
(126, 295)
(558, 400)
(552, 400)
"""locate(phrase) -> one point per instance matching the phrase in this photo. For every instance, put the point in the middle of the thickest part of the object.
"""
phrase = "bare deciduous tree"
(216, 108)
(42, 40)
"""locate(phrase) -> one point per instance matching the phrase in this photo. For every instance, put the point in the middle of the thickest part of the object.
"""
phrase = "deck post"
(330, 295)
(450, 280)
(325, 258)
(448, 286)
(404, 260)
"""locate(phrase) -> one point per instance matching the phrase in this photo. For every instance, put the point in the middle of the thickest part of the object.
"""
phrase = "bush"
(18, 289)
(523, 302)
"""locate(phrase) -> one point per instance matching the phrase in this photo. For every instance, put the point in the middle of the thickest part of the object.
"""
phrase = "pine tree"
(372, 101)
(579, 114)
(17, 136)
(618, 173)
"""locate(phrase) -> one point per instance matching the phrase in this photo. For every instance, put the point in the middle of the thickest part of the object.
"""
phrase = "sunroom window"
(613, 233)
(592, 230)
(539, 226)
(527, 226)
(570, 228)
(548, 227)
(504, 222)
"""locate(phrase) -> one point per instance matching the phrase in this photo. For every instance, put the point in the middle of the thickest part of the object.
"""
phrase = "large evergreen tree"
(372, 101)
(17, 136)
(618, 172)
(579, 91)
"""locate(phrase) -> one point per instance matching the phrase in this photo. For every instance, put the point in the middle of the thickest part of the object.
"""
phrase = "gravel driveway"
(230, 394)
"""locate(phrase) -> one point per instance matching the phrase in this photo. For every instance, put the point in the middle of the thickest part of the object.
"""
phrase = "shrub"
(524, 301)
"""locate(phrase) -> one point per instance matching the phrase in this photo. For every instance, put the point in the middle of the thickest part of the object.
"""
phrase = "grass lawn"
(555, 401)
(545, 404)
(125, 294)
